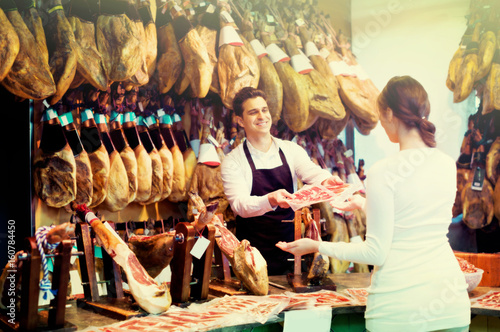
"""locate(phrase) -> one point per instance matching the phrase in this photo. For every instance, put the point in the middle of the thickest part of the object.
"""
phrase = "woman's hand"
(299, 247)
(333, 180)
(353, 203)
(279, 198)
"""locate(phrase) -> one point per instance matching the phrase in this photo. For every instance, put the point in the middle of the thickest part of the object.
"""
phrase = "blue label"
(66, 119)
(87, 114)
(166, 119)
(177, 118)
(100, 118)
(49, 114)
(160, 112)
(150, 120)
(118, 117)
(129, 117)
(140, 121)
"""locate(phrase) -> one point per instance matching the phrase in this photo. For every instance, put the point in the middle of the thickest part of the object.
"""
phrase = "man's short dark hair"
(242, 96)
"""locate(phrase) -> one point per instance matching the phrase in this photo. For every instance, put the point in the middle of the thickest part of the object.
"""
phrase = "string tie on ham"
(41, 242)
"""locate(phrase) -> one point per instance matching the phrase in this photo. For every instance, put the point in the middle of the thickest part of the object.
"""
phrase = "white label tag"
(141, 107)
(324, 52)
(200, 247)
(226, 17)
(160, 112)
(213, 140)
(228, 35)
(301, 64)
(211, 9)
(270, 18)
(276, 54)
(300, 320)
(46, 103)
(300, 22)
(258, 48)
(311, 49)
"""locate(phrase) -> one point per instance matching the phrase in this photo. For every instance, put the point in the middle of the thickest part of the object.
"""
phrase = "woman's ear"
(389, 115)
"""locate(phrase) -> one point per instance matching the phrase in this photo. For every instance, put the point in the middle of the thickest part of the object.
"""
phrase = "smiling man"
(260, 175)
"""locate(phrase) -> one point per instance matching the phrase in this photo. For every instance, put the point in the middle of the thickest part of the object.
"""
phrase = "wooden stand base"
(221, 288)
(43, 325)
(300, 284)
(120, 309)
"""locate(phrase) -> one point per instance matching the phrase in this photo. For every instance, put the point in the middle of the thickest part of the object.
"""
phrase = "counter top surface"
(83, 318)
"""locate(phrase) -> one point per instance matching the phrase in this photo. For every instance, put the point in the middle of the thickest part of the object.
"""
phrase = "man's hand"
(299, 247)
(279, 198)
(333, 180)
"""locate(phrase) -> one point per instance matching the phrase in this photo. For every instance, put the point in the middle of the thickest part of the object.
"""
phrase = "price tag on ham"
(200, 247)
(312, 194)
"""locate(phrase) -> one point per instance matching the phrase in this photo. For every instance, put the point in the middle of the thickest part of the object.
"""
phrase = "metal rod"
(99, 282)
(23, 257)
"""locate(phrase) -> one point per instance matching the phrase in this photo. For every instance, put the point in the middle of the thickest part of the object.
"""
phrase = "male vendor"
(259, 176)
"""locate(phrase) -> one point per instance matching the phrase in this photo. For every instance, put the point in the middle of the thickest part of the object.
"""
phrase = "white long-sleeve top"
(237, 174)
(417, 284)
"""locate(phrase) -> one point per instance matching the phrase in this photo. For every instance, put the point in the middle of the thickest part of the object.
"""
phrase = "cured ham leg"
(320, 263)
(54, 168)
(247, 262)
(154, 252)
(150, 296)
(9, 45)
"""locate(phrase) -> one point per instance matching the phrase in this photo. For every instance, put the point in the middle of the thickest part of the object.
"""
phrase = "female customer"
(417, 284)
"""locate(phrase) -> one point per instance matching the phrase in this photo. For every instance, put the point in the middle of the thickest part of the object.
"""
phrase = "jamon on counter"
(154, 252)
(320, 263)
(150, 296)
(247, 262)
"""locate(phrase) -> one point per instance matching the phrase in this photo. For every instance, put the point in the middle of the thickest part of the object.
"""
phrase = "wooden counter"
(84, 318)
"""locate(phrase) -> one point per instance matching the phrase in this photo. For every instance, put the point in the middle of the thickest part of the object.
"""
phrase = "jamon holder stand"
(30, 317)
(298, 279)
